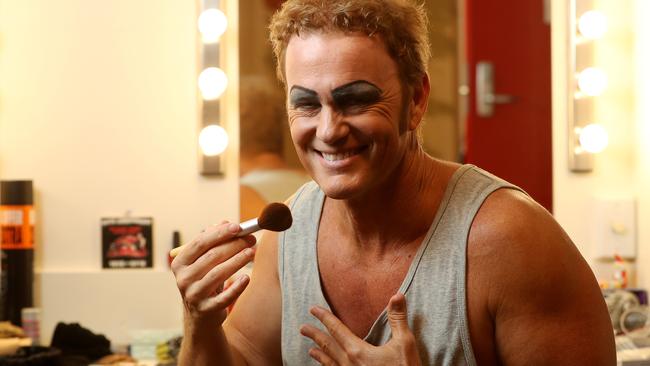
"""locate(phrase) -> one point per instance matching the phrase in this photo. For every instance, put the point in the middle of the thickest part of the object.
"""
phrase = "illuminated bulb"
(593, 138)
(213, 140)
(212, 24)
(212, 82)
(592, 81)
(592, 24)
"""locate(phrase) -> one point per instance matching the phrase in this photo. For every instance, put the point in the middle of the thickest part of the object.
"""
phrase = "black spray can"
(16, 249)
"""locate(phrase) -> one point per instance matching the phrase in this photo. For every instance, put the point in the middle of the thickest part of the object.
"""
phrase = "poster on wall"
(127, 242)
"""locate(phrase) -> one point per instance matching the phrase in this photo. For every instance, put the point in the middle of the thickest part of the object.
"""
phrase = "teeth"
(340, 156)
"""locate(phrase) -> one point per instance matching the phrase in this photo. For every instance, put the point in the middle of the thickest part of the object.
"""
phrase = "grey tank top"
(434, 285)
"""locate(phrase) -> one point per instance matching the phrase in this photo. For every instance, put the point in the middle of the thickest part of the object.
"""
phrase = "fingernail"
(233, 227)
(242, 279)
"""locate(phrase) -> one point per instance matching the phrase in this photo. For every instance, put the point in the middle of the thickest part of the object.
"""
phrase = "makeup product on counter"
(274, 217)
(16, 248)
(31, 319)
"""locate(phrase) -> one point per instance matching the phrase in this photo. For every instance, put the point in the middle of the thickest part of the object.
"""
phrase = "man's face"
(344, 105)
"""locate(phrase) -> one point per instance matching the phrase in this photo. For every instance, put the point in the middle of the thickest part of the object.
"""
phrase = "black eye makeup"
(359, 93)
(300, 97)
(346, 98)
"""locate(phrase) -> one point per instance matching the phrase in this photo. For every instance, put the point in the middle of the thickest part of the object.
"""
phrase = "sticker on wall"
(127, 242)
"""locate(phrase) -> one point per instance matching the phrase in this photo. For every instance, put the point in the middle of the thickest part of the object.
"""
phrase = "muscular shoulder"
(513, 240)
(533, 284)
(511, 214)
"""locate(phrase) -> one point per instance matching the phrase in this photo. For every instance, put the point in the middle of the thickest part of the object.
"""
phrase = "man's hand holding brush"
(203, 265)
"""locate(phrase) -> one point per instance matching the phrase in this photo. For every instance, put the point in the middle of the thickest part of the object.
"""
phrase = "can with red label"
(16, 248)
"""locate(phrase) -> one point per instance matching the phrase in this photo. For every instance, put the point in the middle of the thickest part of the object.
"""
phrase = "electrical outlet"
(614, 229)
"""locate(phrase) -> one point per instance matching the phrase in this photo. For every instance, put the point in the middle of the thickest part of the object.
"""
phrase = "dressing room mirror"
(267, 154)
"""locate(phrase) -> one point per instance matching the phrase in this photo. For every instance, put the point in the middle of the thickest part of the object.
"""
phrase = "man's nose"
(332, 126)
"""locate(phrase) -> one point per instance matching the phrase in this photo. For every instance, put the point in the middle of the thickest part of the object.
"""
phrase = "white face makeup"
(345, 104)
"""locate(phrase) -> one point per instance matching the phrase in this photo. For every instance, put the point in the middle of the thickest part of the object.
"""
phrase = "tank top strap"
(444, 264)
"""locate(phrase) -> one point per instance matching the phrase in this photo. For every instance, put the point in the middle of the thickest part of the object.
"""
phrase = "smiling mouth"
(341, 155)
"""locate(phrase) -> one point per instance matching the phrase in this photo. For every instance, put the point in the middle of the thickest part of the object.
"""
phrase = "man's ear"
(419, 101)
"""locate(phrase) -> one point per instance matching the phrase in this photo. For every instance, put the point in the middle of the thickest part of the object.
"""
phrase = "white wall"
(622, 169)
(642, 79)
(99, 107)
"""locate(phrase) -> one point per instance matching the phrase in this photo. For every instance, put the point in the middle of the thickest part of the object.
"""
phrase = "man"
(394, 258)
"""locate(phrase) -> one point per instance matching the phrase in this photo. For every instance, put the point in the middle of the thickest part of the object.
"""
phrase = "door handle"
(485, 96)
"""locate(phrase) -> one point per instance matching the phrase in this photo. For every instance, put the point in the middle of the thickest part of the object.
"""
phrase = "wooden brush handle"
(174, 252)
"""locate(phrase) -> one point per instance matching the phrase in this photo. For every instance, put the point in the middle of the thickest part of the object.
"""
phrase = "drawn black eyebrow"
(299, 93)
(356, 92)
(356, 85)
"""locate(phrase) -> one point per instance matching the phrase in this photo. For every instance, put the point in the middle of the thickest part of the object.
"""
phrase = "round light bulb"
(212, 24)
(213, 140)
(592, 24)
(212, 82)
(592, 81)
(593, 138)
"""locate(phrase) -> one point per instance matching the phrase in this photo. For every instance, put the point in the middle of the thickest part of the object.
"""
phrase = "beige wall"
(621, 171)
(98, 107)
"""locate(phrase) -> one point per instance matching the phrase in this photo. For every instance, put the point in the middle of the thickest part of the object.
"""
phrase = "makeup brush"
(274, 217)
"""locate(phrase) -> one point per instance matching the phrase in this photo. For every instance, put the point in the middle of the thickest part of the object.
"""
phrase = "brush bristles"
(275, 217)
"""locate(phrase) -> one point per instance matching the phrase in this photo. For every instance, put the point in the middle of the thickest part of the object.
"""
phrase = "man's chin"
(340, 190)
(337, 195)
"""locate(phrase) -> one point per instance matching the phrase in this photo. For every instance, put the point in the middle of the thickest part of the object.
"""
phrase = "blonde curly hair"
(401, 24)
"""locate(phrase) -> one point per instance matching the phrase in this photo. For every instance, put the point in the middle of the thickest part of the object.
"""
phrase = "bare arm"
(250, 334)
(200, 269)
(253, 328)
(542, 300)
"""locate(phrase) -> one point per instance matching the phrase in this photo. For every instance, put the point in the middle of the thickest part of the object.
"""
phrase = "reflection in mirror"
(441, 132)
(265, 142)
(269, 167)
(266, 175)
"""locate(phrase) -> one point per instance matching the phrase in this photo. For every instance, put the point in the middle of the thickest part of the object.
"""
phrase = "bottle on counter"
(16, 249)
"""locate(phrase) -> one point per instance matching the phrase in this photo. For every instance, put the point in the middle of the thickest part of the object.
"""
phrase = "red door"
(510, 39)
